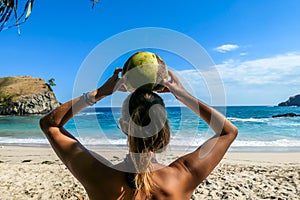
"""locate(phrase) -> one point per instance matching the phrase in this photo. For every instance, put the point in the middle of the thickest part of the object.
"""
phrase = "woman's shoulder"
(173, 179)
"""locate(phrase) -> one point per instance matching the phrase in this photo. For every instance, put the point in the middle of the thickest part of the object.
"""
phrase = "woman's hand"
(174, 85)
(114, 83)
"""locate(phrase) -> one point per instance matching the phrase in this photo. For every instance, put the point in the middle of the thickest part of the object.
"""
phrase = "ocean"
(258, 131)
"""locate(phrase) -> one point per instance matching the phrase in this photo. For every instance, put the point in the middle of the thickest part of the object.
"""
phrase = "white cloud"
(226, 47)
(204, 84)
(243, 53)
(262, 81)
(281, 69)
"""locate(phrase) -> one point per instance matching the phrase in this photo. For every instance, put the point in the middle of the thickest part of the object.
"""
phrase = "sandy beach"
(36, 173)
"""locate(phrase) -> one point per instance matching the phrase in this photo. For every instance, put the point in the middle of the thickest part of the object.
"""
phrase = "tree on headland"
(51, 83)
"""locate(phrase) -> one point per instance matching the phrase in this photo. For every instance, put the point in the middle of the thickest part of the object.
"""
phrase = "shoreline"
(37, 173)
(113, 147)
(45, 150)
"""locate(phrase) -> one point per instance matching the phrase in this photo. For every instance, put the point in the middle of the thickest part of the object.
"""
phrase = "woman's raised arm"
(73, 154)
(202, 161)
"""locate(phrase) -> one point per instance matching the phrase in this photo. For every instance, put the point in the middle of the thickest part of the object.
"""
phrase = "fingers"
(165, 90)
(165, 83)
(118, 70)
(173, 79)
(120, 84)
(122, 88)
(173, 76)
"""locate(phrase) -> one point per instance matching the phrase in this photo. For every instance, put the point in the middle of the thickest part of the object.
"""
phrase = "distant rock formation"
(23, 95)
(292, 101)
(286, 115)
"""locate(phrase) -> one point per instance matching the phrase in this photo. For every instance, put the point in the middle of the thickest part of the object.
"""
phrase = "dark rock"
(25, 161)
(286, 115)
(292, 101)
(25, 95)
(32, 104)
(47, 162)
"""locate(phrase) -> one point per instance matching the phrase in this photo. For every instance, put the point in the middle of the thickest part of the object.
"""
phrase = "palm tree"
(16, 12)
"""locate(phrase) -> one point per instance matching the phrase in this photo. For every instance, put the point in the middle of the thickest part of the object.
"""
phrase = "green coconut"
(144, 70)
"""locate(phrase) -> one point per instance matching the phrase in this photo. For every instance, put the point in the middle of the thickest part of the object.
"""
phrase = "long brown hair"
(148, 131)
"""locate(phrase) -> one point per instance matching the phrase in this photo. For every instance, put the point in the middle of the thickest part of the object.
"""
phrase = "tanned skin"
(175, 182)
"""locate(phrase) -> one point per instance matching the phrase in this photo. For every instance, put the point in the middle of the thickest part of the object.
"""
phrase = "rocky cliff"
(292, 101)
(22, 95)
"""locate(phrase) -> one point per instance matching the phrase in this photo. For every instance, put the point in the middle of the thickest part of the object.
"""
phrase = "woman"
(150, 180)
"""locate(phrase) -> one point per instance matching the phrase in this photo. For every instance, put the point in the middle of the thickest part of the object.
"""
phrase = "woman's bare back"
(170, 183)
(176, 181)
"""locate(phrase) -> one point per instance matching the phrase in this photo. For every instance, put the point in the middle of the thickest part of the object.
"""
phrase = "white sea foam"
(194, 142)
(8, 140)
(294, 124)
(89, 113)
(234, 119)
(174, 142)
(275, 143)
(244, 143)
(103, 141)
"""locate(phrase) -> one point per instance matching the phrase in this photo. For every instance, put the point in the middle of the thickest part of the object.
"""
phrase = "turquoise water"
(258, 131)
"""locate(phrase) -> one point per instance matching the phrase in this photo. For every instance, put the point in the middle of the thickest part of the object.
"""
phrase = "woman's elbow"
(234, 132)
(44, 124)
(230, 130)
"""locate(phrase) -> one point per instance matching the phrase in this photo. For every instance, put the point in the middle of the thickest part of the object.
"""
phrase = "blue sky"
(255, 44)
